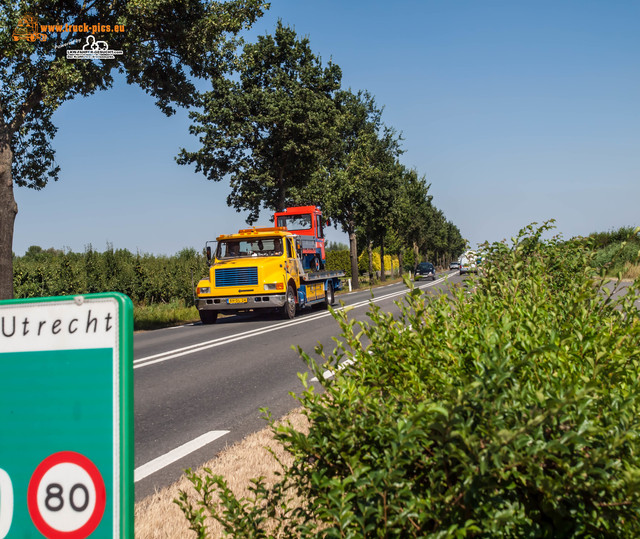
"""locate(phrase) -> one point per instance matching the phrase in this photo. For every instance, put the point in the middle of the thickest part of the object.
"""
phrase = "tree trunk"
(383, 277)
(8, 211)
(353, 250)
(280, 204)
(370, 252)
(400, 262)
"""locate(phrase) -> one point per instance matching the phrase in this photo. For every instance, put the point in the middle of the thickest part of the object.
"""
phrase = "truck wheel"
(289, 307)
(208, 317)
(328, 298)
(317, 265)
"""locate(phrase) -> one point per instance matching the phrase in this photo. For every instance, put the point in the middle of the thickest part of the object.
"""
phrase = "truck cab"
(246, 272)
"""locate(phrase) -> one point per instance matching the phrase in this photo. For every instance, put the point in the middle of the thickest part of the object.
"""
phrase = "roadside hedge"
(339, 260)
(144, 278)
(509, 408)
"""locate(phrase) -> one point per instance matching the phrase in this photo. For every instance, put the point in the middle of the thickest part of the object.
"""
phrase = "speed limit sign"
(66, 496)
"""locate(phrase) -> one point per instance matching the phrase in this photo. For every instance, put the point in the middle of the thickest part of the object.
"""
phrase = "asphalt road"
(199, 389)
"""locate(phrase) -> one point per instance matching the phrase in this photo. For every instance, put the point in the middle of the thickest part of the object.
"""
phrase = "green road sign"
(66, 417)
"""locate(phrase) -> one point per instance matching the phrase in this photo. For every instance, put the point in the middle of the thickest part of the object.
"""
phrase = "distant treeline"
(153, 279)
(144, 278)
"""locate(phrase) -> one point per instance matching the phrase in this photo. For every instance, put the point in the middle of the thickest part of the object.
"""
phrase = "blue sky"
(513, 111)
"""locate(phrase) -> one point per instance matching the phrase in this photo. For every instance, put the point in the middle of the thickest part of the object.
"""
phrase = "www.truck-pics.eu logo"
(29, 29)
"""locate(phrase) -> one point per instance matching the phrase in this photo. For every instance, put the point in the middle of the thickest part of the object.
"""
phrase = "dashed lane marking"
(176, 454)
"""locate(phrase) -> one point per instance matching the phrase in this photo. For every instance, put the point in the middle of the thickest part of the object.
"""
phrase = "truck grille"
(236, 276)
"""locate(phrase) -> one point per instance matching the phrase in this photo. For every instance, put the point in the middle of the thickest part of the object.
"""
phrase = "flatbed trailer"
(319, 287)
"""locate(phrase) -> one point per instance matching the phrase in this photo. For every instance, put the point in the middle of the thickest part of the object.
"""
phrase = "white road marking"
(179, 352)
(330, 373)
(176, 454)
(171, 354)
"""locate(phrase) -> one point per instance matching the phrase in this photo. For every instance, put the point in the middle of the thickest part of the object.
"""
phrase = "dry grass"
(158, 517)
(631, 271)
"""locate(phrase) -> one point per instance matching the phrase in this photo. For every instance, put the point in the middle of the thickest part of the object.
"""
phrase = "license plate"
(237, 300)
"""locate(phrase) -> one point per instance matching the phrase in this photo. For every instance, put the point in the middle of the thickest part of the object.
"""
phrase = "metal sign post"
(66, 417)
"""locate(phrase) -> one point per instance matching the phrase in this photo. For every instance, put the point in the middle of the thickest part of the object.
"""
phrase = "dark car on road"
(425, 270)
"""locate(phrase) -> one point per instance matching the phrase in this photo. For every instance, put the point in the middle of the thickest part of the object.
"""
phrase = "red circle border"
(88, 466)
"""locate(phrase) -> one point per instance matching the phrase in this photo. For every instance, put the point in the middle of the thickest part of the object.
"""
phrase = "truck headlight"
(274, 286)
(203, 290)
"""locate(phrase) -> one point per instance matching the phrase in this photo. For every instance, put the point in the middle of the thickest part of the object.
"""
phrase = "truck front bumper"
(235, 303)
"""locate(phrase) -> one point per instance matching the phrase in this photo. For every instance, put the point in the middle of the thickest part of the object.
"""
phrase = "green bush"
(510, 408)
(616, 250)
(339, 260)
(160, 315)
(615, 256)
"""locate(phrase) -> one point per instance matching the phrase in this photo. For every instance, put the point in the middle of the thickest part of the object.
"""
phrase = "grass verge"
(158, 517)
(162, 315)
(631, 271)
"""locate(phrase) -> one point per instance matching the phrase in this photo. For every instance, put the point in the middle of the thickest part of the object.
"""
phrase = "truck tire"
(289, 307)
(208, 317)
(328, 297)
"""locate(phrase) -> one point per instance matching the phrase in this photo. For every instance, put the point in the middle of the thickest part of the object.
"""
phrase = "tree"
(272, 128)
(413, 211)
(379, 199)
(354, 176)
(455, 241)
(420, 225)
(437, 237)
(165, 44)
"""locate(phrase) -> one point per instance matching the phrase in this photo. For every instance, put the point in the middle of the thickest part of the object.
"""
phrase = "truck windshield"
(249, 247)
(295, 222)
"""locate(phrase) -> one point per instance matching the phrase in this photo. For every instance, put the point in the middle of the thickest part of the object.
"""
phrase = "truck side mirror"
(208, 253)
(328, 223)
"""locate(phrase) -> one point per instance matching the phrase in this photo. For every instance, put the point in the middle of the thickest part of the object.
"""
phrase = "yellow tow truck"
(270, 268)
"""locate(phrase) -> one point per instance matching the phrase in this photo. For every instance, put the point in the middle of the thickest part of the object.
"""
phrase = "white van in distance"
(468, 263)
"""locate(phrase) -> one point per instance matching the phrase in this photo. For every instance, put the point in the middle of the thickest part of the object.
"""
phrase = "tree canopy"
(350, 180)
(272, 127)
(165, 44)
